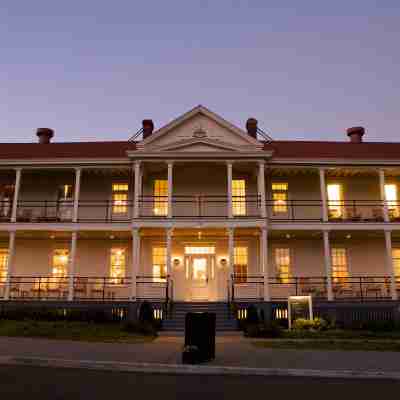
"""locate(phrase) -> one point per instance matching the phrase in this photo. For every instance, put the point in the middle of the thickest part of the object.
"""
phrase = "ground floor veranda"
(242, 264)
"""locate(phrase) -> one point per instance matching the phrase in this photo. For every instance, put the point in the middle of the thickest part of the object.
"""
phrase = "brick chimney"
(148, 128)
(355, 134)
(44, 135)
(251, 126)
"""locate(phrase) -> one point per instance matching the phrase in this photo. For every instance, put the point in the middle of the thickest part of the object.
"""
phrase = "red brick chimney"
(148, 128)
(355, 134)
(44, 135)
(251, 126)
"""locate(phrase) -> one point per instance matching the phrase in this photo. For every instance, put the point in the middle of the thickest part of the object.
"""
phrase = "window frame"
(160, 278)
(241, 277)
(331, 204)
(239, 206)
(4, 252)
(338, 279)
(124, 203)
(279, 277)
(393, 210)
(117, 279)
(285, 201)
(160, 200)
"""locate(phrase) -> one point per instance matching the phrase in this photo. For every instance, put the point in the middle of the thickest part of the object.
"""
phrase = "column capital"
(77, 169)
(170, 162)
(229, 162)
(18, 169)
(261, 163)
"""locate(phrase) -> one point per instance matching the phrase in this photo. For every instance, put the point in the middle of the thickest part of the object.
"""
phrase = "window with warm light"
(65, 192)
(160, 197)
(117, 264)
(199, 249)
(238, 197)
(120, 198)
(159, 263)
(60, 263)
(396, 261)
(335, 200)
(282, 262)
(391, 200)
(339, 264)
(6, 198)
(280, 197)
(3, 264)
(240, 264)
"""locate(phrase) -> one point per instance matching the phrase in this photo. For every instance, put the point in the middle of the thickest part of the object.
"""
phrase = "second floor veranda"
(204, 190)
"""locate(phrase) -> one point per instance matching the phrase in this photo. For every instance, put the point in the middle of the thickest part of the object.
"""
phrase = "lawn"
(69, 330)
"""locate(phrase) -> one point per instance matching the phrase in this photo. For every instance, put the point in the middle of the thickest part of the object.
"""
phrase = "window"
(117, 264)
(339, 264)
(238, 197)
(159, 264)
(391, 200)
(60, 263)
(3, 264)
(280, 197)
(160, 197)
(199, 249)
(396, 261)
(120, 198)
(335, 201)
(65, 192)
(6, 198)
(240, 263)
(282, 261)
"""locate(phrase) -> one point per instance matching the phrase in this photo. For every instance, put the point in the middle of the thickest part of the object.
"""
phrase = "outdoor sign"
(299, 307)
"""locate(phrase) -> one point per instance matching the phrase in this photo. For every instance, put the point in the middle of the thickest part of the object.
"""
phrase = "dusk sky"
(92, 70)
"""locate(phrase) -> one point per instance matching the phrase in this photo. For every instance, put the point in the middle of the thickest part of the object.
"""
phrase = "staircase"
(225, 321)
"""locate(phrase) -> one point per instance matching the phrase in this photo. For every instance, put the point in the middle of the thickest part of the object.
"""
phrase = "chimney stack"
(44, 135)
(148, 128)
(251, 126)
(355, 134)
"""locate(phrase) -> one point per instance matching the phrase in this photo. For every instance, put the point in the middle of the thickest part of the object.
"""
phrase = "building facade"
(199, 210)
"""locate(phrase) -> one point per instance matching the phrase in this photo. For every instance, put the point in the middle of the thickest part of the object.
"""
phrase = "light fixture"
(348, 236)
(112, 237)
(177, 262)
(288, 236)
(223, 262)
(199, 235)
(52, 237)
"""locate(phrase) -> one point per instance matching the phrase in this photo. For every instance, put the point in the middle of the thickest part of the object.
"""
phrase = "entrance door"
(199, 276)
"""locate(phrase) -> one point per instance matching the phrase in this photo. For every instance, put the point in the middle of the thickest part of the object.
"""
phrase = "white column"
(72, 264)
(383, 195)
(231, 249)
(170, 170)
(323, 194)
(77, 192)
(264, 261)
(135, 259)
(229, 183)
(169, 251)
(18, 173)
(261, 188)
(390, 266)
(136, 193)
(10, 264)
(328, 268)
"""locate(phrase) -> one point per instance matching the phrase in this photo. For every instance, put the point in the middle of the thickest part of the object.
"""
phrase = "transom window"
(117, 264)
(280, 197)
(60, 263)
(3, 264)
(160, 197)
(396, 261)
(282, 261)
(199, 249)
(391, 199)
(239, 197)
(120, 198)
(240, 264)
(159, 263)
(339, 264)
(335, 200)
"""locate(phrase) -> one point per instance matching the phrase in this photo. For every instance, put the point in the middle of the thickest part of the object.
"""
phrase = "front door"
(199, 274)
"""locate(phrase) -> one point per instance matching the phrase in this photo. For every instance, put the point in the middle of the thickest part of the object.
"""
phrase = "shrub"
(317, 324)
(269, 330)
(146, 313)
(143, 328)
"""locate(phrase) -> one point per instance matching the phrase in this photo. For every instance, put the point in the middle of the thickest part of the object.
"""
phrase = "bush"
(317, 324)
(143, 328)
(269, 330)
(146, 313)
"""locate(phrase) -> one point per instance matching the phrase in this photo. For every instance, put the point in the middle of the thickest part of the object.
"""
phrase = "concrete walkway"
(231, 351)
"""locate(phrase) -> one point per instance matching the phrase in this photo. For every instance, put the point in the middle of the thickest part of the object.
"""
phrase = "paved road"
(21, 383)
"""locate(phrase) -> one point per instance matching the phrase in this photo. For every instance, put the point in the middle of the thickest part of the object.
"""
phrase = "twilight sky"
(92, 70)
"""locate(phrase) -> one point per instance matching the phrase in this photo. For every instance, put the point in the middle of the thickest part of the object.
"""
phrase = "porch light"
(348, 236)
(223, 262)
(112, 237)
(177, 262)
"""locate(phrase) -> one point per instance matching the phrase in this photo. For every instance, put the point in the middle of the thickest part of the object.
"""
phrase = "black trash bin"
(199, 338)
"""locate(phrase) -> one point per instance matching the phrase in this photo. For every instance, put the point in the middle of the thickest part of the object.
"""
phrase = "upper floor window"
(159, 263)
(396, 261)
(238, 197)
(60, 263)
(117, 264)
(339, 264)
(120, 198)
(391, 200)
(282, 262)
(160, 197)
(3, 264)
(65, 192)
(6, 198)
(335, 200)
(280, 197)
(240, 264)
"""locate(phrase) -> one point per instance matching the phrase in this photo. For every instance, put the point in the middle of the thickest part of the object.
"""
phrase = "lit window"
(280, 197)
(3, 264)
(65, 192)
(160, 197)
(339, 264)
(335, 201)
(159, 264)
(391, 199)
(60, 263)
(117, 264)
(238, 197)
(199, 249)
(120, 198)
(396, 261)
(240, 263)
(282, 261)
(6, 196)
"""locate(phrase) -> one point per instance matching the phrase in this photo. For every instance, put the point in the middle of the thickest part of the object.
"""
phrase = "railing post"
(296, 283)
(361, 288)
(261, 188)
(135, 262)
(328, 269)
(264, 262)
(229, 188)
(104, 287)
(389, 264)
(18, 174)
(136, 192)
(170, 178)
(40, 280)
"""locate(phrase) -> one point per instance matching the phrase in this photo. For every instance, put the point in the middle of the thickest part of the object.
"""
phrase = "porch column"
(389, 265)
(229, 186)
(231, 249)
(383, 195)
(170, 166)
(72, 263)
(78, 172)
(323, 194)
(136, 190)
(18, 173)
(261, 188)
(328, 268)
(169, 251)
(135, 262)
(264, 261)
(10, 264)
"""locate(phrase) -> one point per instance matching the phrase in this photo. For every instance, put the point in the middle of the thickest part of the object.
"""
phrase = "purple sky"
(92, 70)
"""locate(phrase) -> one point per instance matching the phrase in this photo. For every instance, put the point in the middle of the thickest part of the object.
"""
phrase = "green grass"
(62, 330)
(331, 344)
(340, 334)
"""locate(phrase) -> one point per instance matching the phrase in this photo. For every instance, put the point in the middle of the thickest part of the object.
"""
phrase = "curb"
(177, 369)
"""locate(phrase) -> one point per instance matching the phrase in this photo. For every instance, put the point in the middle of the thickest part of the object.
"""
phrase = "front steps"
(225, 321)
